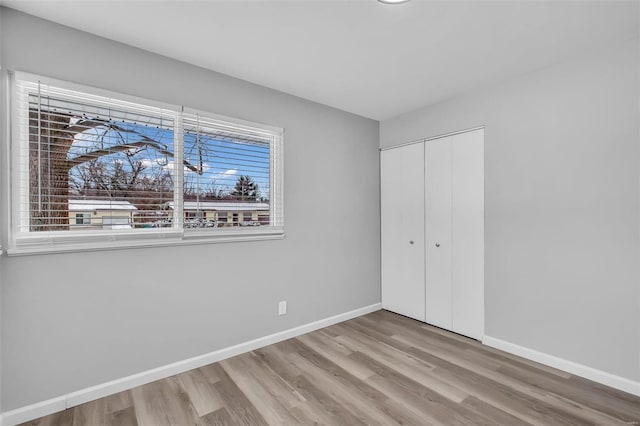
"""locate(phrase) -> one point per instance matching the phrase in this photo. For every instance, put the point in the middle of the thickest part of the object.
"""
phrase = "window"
(76, 148)
(83, 218)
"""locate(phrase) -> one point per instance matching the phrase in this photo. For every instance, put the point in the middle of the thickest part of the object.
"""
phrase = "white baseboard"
(34, 411)
(590, 373)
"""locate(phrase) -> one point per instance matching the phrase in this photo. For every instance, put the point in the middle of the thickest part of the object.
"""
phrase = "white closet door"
(468, 233)
(402, 217)
(438, 244)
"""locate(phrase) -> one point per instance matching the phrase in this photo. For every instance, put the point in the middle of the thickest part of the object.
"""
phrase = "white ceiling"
(361, 56)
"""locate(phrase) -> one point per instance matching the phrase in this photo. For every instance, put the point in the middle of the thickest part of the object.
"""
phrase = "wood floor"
(379, 369)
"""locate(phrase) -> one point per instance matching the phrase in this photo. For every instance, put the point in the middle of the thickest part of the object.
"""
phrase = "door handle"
(411, 242)
(437, 244)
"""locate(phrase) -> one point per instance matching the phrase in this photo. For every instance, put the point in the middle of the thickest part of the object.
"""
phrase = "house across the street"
(101, 214)
(223, 213)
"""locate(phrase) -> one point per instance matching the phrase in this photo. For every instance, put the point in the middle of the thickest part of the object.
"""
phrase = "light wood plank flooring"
(379, 369)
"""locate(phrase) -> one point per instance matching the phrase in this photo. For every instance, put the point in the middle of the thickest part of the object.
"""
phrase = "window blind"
(99, 165)
(233, 174)
(84, 154)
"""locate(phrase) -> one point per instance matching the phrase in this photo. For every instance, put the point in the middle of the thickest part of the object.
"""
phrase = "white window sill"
(97, 241)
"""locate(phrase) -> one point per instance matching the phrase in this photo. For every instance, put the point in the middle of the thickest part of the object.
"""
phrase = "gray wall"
(74, 320)
(561, 204)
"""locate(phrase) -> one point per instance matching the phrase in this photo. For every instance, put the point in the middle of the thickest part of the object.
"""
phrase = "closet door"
(468, 233)
(438, 250)
(402, 233)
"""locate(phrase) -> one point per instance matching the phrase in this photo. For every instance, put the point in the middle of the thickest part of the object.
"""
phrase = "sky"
(222, 159)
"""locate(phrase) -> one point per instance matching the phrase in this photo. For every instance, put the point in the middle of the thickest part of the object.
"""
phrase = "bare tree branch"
(145, 142)
(84, 125)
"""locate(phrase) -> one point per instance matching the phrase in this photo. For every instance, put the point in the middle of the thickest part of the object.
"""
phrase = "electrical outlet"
(282, 307)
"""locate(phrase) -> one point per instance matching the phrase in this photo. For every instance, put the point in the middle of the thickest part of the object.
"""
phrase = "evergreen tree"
(246, 189)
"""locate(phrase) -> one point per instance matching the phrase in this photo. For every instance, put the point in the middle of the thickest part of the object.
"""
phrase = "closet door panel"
(402, 233)
(468, 233)
(438, 244)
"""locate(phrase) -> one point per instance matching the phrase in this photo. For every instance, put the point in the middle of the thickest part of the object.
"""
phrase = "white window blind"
(100, 168)
(233, 174)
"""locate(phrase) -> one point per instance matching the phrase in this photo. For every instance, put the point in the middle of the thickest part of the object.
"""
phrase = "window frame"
(30, 242)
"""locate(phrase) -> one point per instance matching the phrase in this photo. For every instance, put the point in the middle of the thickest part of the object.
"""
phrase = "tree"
(49, 168)
(245, 189)
(51, 136)
(132, 179)
(216, 192)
